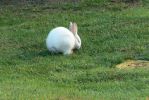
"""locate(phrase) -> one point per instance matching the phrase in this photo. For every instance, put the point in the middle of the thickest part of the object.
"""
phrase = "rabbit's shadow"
(45, 53)
(29, 52)
(35, 50)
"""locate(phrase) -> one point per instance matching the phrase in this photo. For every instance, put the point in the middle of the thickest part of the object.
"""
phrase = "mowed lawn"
(110, 35)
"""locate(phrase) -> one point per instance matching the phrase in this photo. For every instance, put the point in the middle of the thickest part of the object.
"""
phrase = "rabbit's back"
(60, 39)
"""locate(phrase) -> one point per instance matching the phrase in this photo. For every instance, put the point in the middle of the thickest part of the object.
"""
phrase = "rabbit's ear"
(70, 26)
(74, 28)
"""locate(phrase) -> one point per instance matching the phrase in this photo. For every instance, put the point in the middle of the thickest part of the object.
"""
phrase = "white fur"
(61, 39)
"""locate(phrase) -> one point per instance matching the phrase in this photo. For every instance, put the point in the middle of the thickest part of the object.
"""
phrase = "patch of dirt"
(133, 64)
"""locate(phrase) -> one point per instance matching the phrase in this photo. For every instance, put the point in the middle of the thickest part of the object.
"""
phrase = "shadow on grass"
(35, 50)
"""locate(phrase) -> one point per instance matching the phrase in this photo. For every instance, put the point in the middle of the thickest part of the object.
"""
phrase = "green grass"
(110, 35)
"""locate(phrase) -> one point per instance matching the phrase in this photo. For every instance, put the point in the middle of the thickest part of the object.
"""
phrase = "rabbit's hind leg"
(68, 52)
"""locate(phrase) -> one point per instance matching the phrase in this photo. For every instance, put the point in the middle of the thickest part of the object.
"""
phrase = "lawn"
(111, 33)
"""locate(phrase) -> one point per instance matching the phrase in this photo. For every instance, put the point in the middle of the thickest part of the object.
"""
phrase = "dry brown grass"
(133, 64)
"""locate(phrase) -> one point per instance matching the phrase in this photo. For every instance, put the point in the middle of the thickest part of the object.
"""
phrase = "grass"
(110, 35)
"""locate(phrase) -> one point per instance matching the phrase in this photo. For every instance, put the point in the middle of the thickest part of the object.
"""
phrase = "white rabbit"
(63, 40)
